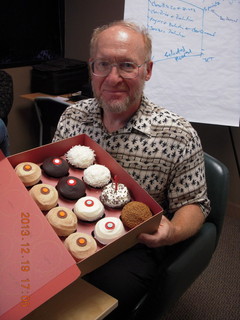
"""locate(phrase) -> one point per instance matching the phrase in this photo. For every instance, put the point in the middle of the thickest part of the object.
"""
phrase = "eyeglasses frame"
(117, 65)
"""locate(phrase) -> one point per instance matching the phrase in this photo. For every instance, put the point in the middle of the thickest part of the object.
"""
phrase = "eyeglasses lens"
(125, 69)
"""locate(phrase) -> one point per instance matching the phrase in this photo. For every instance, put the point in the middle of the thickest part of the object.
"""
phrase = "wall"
(81, 18)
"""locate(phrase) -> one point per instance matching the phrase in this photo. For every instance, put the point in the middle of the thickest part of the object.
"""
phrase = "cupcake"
(80, 156)
(45, 196)
(115, 195)
(71, 188)
(134, 213)
(55, 167)
(29, 173)
(89, 209)
(97, 175)
(80, 245)
(63, 220)
(108, 229)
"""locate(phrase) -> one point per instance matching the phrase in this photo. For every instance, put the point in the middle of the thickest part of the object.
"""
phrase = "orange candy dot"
(45, 190)
(81, 242)
(27, 167)
(62, 214)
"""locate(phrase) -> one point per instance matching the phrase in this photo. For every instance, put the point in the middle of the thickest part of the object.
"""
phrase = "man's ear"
(149, 70)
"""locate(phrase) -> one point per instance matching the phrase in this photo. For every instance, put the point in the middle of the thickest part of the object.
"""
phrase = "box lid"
(34, 263)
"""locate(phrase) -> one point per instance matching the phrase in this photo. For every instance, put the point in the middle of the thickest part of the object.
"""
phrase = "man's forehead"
(121, 32)
(119, 41)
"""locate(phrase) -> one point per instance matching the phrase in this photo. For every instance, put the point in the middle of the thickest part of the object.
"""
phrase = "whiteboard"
(196, 45)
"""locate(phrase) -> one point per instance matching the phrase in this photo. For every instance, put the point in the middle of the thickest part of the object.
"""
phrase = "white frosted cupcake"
(80, 245)
(97, 175)
(89, 208)
(63, 220)
(108, 229)
(80, 156)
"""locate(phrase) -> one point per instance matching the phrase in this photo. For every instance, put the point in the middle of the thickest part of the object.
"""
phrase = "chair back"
(48, 111)
(188, 259)
(217, 177)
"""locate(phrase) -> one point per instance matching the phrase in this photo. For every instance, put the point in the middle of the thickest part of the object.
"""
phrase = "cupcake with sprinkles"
(115, 195)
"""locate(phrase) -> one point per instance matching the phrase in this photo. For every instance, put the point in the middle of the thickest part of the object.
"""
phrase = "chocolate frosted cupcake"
(71, 188)
(55, 167)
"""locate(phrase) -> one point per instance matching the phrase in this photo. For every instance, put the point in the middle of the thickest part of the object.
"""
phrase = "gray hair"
(129, 25)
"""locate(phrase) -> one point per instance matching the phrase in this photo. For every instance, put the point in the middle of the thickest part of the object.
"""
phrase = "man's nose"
(114, 72)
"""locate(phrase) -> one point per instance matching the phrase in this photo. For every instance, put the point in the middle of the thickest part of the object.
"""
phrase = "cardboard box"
(35, 263)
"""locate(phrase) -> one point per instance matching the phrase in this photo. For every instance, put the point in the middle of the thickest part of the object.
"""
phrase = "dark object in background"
(48, 110)
(87, 90)
(30, 33)
(6, 95)
(60, 76)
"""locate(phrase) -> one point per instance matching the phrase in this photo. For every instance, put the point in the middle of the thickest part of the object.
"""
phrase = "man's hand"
(164, 235)
(185, 223)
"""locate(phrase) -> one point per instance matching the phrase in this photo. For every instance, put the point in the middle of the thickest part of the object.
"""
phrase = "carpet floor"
(215, 295)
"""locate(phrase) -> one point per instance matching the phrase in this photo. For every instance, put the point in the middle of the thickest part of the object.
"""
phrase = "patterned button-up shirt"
(159, 149)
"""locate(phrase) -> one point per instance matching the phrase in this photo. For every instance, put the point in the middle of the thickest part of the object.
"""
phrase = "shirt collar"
(141, 120)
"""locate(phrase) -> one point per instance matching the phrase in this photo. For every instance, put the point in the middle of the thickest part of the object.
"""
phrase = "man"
(158, 148)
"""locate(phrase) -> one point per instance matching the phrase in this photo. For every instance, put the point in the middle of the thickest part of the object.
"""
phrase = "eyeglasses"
(127, 70)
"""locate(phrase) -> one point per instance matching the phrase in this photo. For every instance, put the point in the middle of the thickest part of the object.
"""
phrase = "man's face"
(115, 93)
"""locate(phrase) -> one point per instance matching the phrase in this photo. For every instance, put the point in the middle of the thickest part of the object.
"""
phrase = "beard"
(114, 105)
(119, 106)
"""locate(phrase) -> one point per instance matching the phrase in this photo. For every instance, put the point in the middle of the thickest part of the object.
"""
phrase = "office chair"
(187, 260)
(48, 112)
